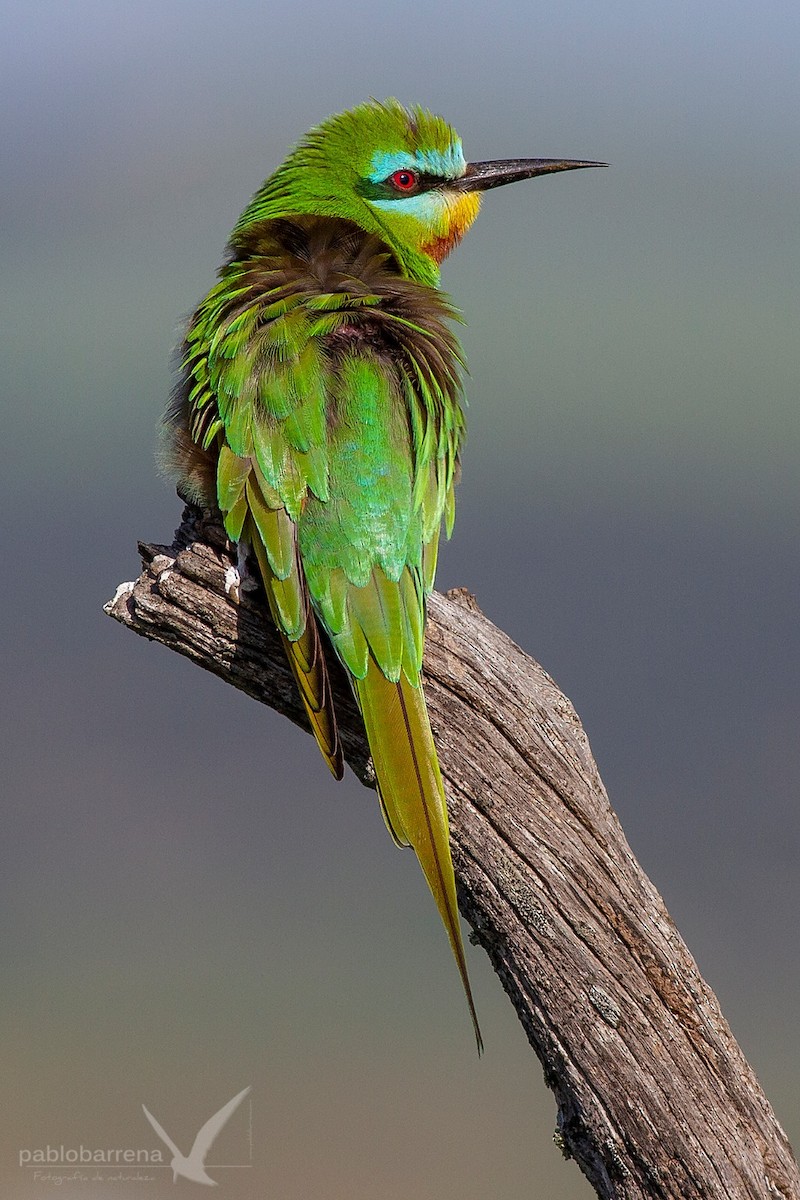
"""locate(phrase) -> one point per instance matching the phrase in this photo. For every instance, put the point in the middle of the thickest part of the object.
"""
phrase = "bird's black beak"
(481, 176)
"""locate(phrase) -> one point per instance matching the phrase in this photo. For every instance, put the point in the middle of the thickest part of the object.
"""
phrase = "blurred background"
(191, 904)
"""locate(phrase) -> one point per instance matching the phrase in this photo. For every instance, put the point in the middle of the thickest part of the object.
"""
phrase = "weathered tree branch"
(655, 1098)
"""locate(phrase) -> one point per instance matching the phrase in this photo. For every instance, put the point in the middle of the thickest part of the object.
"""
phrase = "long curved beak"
(481, 176)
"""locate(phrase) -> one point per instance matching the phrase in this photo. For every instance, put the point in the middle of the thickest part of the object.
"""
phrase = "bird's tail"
(305, 653)
(412, 795)
(307, 660)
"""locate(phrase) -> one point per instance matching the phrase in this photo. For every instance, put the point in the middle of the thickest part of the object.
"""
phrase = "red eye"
(404, 181)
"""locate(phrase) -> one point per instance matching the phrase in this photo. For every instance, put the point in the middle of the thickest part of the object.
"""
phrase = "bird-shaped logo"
(192, 1165)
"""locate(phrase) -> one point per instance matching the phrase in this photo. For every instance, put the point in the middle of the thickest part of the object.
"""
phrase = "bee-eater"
(319, 412)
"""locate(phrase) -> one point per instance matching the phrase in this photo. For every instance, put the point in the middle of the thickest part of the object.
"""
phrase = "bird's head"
(398, 173)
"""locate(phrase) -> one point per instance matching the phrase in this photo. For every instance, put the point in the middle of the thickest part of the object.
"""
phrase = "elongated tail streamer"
(412, 794)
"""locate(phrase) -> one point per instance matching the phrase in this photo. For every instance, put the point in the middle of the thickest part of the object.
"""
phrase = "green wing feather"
(258, 396)
(331, 401)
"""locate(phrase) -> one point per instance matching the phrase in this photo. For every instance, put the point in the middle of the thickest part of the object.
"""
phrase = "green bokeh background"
(192, 904)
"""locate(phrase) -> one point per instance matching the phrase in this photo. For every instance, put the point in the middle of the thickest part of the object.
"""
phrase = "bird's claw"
(239, 579)
(233, 582)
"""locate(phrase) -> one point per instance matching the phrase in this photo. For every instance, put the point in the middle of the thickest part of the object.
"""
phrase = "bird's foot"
(239, 579)
(233, 583)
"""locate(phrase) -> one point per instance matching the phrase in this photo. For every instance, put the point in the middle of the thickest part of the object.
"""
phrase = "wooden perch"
(655, 1098)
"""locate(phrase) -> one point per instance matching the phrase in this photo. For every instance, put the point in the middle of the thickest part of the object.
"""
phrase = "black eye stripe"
(386, 190)
(423, 182)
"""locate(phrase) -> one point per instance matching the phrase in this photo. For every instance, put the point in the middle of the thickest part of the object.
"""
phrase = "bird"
(319, 410)
(192, 1165)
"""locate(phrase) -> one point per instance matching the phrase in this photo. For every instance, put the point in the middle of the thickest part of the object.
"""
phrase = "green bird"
(319, 411)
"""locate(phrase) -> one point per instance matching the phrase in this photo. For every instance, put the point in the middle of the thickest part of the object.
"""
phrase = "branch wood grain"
(655, 1098)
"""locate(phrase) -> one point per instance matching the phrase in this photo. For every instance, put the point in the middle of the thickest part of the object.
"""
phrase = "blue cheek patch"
(426, 207)
(448, 163)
